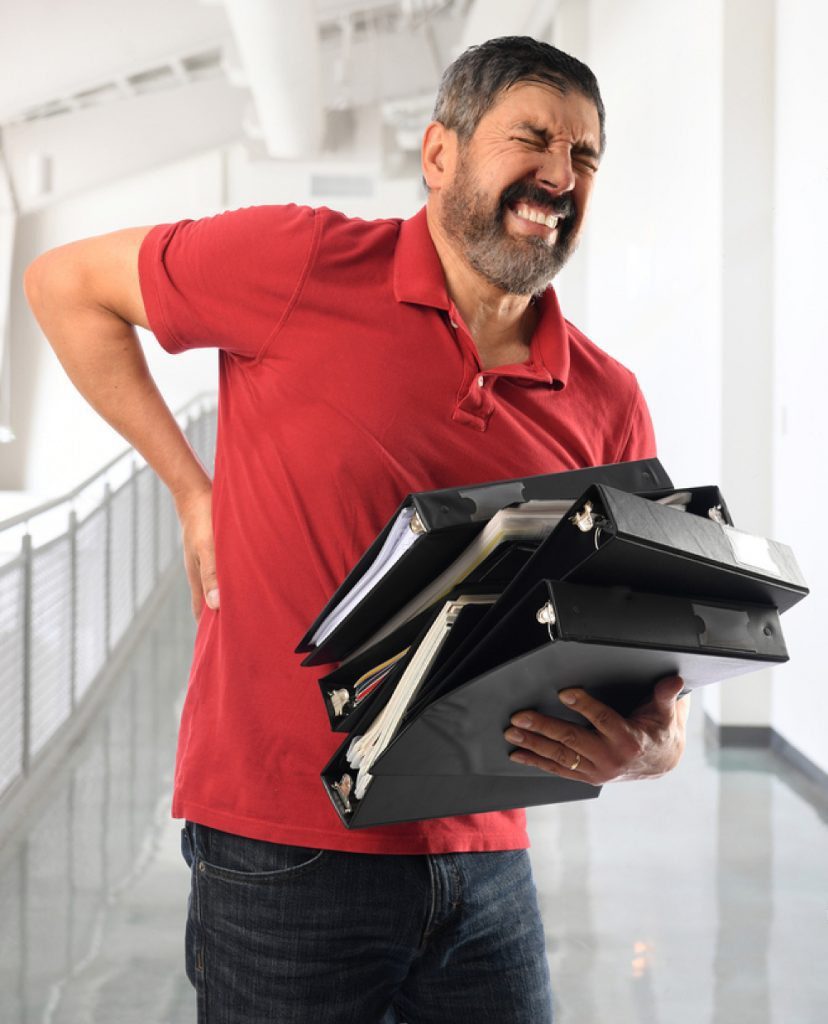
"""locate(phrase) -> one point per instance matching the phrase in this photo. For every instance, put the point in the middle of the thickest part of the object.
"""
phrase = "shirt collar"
(419, 278)
(418, 272)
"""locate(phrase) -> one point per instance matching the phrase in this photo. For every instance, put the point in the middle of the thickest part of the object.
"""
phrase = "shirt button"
(480, 381)
(453, 324)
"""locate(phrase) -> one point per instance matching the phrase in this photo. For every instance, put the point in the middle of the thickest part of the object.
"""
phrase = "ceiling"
(96, 89)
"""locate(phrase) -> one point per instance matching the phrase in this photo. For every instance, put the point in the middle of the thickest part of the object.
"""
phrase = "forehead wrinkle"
(530, 118)
(581, 148)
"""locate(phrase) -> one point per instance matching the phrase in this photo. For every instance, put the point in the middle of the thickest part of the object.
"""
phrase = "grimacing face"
(516, 203)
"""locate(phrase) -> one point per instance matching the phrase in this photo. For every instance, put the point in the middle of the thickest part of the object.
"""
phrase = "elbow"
(34, 279)
(31, 282)
(46, 277)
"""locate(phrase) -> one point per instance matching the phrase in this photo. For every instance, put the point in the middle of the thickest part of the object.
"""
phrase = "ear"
(438, 154)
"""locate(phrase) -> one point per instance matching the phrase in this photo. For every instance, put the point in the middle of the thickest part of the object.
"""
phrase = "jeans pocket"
(187, 845)
(239, 859)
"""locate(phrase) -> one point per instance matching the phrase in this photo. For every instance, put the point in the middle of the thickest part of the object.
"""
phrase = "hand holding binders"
(449, 756)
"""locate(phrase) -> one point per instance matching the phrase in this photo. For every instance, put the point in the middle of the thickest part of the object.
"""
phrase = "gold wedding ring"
(575, 763)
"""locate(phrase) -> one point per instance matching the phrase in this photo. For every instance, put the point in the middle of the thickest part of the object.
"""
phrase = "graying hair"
(475, 80)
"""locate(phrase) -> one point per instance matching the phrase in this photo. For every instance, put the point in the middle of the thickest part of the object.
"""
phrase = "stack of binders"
(477, 602)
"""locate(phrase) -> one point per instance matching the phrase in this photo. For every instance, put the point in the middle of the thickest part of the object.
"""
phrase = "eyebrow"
(581, 149)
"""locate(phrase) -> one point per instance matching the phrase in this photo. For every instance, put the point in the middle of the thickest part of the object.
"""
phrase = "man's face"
(516, 202)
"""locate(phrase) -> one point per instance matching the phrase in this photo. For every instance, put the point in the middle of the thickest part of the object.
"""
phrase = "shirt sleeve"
(226, 281)
(640, 440)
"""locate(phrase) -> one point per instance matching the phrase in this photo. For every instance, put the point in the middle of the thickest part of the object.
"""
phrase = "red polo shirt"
(346, 380)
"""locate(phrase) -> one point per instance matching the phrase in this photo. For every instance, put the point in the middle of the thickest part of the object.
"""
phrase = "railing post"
(133, 501)
(73, 608)
(107, 504)
(202, 436)
(199, 427)
(156, 527)
(26, 556)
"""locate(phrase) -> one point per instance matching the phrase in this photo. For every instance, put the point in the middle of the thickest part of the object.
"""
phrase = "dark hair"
(475, 80)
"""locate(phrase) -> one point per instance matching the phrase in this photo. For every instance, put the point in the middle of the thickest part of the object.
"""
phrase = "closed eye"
(585, 161)
(529, 142)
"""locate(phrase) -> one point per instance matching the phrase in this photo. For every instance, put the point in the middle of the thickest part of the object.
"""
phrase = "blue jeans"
(294, 935)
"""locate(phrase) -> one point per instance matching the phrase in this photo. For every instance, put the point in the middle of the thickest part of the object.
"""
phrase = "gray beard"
(518, 266)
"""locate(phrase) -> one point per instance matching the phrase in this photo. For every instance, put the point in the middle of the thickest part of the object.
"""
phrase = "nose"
(555, 172)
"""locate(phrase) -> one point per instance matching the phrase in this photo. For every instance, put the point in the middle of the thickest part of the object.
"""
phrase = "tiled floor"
(701, 898)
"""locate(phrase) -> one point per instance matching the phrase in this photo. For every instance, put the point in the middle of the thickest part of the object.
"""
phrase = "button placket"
(475, 402)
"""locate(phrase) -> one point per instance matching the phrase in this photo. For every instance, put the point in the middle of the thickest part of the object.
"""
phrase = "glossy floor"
(701, 898)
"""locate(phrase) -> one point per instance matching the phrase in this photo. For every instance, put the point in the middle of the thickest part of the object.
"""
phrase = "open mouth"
(533, 221)
(534, 215)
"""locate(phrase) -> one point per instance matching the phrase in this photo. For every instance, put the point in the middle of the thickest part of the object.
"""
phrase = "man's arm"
(86, 297)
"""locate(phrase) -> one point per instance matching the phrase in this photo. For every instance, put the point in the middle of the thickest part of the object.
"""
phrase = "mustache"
(525, 191)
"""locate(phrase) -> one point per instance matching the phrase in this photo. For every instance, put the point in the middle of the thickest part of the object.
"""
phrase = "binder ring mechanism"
(339, 699)
(587, 519)
(343, 790)
(546, 617)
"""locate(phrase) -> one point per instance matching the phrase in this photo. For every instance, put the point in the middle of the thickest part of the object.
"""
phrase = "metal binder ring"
(596, 536)
(546, 616)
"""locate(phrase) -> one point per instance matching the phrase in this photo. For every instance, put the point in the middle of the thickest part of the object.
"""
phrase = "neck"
(501, 324)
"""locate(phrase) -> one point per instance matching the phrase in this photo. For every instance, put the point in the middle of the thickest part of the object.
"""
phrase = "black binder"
(449, 755)
(447, 520)
(633, 540)
(615, 537)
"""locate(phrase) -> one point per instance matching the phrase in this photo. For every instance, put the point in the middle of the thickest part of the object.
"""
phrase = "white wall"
(746, 266)
(800, 364)
(704, 258)
(654, 283)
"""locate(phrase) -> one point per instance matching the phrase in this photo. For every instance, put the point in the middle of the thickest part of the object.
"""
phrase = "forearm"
(102, 356)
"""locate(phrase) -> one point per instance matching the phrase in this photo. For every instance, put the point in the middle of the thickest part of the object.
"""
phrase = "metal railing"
(74, 573)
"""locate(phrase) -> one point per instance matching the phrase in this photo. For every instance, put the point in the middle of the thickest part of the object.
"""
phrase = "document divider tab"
(346, 676)
(338, 688)
(450, 518)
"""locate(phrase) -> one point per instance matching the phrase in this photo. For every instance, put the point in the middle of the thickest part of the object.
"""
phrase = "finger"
(545, 747)
(554, 738)
(577, 737)
(605, 720)
(565, 771)
(194, 580)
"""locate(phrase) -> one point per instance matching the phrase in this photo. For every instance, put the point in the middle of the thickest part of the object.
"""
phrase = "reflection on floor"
(696, 899)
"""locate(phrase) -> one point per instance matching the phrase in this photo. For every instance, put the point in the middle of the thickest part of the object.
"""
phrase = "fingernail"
(568, 696)
(519, 758)
(523, 721)
(513, 735)
(212, 599)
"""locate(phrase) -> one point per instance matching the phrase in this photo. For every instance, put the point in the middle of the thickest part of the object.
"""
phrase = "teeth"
(550, 220)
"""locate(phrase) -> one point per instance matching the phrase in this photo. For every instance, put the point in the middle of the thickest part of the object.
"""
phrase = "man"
(360, 361)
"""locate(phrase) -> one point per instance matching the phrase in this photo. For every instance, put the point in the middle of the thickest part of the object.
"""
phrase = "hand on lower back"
(195, 517)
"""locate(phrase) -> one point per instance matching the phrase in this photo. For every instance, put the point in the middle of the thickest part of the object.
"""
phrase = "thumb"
(209, 582)
(667, 690)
